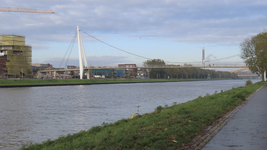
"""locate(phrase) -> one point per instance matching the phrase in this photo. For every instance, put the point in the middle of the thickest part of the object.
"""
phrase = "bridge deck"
(149, 67)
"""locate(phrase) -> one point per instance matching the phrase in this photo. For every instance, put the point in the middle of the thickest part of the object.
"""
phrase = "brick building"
(128, 69)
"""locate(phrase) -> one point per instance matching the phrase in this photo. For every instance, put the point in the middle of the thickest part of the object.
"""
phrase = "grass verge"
(46, 82)
(165, 128)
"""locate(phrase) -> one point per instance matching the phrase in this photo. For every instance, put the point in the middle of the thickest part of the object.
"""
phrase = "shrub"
(28, 76)
(240, 95)
(248, 82)
(159, 108)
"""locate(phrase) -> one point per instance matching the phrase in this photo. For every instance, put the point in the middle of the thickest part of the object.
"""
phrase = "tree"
(72, 73)
(155, 72)
(254, 52)
(154, 63)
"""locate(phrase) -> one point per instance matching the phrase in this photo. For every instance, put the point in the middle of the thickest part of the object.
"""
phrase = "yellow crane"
(48, 68)
(25, 10)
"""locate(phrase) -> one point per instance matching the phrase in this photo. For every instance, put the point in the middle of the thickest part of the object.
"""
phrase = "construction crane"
(25, 10)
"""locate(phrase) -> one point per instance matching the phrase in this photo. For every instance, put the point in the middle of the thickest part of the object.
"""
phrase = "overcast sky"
(172, 30)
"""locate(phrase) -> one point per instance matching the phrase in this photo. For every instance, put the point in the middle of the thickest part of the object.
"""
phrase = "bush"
(248, 82)
(159, 108)
(28, 76)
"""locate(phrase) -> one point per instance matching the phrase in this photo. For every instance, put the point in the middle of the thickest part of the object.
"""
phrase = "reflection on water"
(35, 114)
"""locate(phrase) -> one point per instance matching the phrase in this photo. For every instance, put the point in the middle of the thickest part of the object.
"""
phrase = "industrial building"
(123, 70)
(107, 72)
(38, 66)
(129, 69)
(15, 56)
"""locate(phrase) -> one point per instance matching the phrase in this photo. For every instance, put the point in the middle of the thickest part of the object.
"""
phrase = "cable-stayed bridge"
(112, 56)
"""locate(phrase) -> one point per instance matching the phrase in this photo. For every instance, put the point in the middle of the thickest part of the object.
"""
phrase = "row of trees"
(189, 72)
(254, 52)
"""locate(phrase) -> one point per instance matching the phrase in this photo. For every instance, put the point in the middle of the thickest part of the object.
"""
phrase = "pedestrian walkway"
(247, 130)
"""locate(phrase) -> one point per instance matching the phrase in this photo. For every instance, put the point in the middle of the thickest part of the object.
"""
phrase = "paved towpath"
(247, 130)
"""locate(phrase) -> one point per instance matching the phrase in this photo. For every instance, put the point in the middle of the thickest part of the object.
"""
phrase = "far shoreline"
(12, 83)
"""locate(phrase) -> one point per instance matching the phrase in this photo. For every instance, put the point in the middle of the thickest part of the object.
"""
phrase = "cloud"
(183, 21)
(39, 46)
(164, 18)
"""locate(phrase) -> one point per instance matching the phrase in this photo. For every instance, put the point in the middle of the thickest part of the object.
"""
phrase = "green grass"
(43, 82)
(165, 128)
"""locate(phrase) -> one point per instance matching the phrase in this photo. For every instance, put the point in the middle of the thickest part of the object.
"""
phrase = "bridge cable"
(151, 58)
(225, 57)
(74, 39)
(72, 42)
(116, 47)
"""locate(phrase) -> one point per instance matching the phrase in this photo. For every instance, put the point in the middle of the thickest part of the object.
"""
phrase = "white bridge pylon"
(82, 56)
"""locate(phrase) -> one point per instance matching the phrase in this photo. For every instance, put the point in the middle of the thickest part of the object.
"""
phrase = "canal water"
(35, 114)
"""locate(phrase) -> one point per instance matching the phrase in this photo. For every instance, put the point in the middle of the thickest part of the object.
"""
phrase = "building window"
(17, 53)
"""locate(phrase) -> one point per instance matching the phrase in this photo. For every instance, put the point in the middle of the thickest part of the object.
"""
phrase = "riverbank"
(61, 82)
(166, 128)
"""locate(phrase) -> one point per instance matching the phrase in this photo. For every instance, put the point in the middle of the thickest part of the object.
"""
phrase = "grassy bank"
(40, 82)
(165, 128)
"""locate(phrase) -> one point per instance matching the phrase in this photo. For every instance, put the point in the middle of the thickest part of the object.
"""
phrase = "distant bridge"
(142, 67)
(84, 67)
(239, 70)
(253, 75)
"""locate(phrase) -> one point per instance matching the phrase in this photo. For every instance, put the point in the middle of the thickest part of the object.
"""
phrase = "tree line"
(187, 72)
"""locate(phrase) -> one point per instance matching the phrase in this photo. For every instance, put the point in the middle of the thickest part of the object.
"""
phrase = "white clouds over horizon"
(183, 21)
